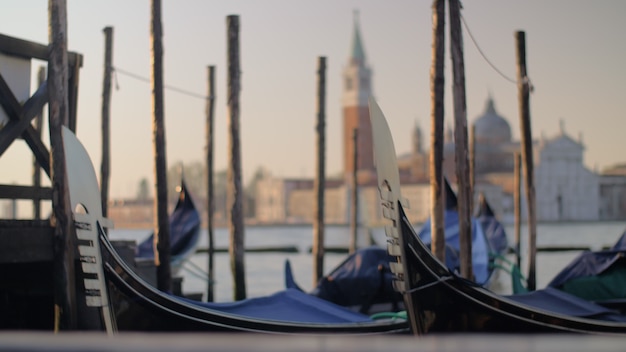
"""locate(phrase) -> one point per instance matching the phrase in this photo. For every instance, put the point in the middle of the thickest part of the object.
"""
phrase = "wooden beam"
(8, 101)
(27, 49)
(25, 192)
(12, 108)
(16, 126)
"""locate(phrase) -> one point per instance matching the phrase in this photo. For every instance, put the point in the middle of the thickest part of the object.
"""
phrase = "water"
(265, 271)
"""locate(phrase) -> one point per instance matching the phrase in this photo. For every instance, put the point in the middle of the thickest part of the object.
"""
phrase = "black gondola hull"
(140, 307)
(444, 302)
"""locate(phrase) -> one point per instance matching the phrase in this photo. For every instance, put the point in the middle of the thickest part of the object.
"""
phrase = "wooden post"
(354, 214)
(210, 127)
(472, 168)
(319, 184)
(106, 112)
(162, 255)
(65, 314)
(517, 206)
(523, 86)
(437, 80)
(41, 78)
(235, 192)
(460, 140)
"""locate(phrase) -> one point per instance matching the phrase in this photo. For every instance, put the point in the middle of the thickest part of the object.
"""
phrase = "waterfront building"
(566, 190)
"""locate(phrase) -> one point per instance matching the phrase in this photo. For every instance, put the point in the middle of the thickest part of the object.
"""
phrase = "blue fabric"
(362, 279)
(184, 230)
(590, 263)
(494, 232)
(290, 305)
(557, 301)
(480, 248)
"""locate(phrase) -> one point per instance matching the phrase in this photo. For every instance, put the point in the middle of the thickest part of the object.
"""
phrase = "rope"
(483, 54)
(196, 271)
(117, 70)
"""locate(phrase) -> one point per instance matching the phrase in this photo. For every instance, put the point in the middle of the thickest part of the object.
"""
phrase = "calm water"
(265, 271)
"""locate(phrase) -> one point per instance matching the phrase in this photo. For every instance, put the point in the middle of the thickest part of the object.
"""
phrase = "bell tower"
(357, 88)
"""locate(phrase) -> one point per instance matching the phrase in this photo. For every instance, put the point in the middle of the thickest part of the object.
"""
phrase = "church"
(565, 189)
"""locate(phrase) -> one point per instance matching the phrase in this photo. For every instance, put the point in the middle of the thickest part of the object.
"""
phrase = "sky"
(575, 55)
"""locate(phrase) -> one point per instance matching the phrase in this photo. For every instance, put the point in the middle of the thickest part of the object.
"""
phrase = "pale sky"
(575, 57)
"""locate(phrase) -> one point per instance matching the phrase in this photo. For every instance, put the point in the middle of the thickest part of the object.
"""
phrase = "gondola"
(123, 301)
(141, 307)
(184, 232)
(439, 301)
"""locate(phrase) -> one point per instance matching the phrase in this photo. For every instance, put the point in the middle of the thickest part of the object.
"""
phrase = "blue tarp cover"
(557, 301)
(480, 247)
(184, 230)
(362, 279)
(290, 305)
(590, 263)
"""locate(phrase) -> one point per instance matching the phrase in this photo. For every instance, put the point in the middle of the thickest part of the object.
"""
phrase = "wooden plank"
(24, 192)
(27, 49)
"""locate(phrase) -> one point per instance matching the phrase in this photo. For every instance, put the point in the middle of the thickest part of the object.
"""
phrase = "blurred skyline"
(574, 52)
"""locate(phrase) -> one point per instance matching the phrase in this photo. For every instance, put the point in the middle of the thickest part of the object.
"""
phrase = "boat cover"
(599, 275)
(493, 229)
(557, 301)
(480, 247)
(184, 230)
(362, 279)
(290, 305)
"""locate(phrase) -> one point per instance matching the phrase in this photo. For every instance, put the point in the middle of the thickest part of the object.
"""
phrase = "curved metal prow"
(87, 213)
(389, 189)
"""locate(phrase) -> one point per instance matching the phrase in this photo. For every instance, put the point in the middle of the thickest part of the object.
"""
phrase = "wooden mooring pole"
(460, 140)
(210, 128)
(65, 313)
(162, 255)
(472, 168)
(319, 184)
(437, 80)
(106, 119)
(235, 191)
(354, 207)
(523, 85)
(517, 207)
(41, 78)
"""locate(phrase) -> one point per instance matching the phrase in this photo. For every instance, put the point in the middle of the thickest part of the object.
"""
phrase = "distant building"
(357, 89)
(565, 189)
(613, 193)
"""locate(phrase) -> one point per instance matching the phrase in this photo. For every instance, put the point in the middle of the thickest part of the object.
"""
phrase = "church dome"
(492, 128)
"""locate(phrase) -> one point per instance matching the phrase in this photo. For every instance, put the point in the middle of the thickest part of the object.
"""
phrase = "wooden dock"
(205, 342)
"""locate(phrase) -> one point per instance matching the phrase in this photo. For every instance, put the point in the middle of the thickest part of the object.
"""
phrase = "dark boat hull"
(443, 302)
(141, 307)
